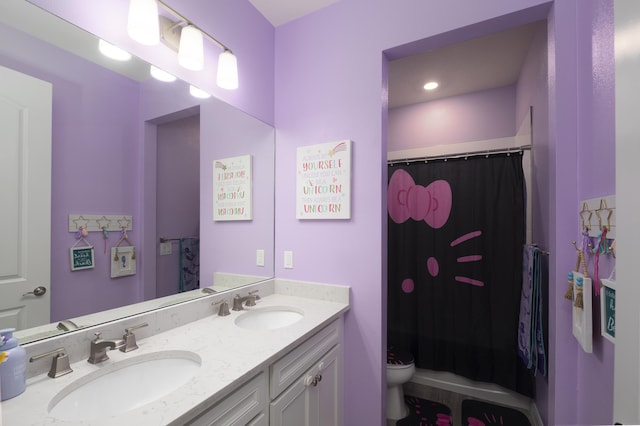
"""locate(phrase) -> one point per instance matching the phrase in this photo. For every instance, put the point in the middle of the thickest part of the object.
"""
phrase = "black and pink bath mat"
(425, 413)
(479, 413)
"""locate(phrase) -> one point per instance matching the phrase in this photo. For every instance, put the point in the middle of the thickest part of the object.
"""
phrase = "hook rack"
(596, 213)
(98, 223)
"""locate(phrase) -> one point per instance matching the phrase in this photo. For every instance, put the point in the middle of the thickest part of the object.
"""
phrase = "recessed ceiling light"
(161, 75)
(431, 85)
(113, 52)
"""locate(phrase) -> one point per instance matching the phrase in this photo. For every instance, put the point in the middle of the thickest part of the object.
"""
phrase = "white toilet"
(400, 369)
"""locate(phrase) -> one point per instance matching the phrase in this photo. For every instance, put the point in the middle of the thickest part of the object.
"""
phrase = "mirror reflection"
(131, 161)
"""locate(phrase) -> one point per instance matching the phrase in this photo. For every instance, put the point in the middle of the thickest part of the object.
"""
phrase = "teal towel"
(530, 330)
(189, 264)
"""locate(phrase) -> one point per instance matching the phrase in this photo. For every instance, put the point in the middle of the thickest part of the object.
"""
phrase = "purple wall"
(93, 168)
(532, 91)
(177, 194)
(223, 244)
(488, 114)
(580, 108)
(596, 178)
(329, 86)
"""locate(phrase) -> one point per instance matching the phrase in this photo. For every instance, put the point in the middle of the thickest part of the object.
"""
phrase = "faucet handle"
(59, 365)
(252, 297)
(237, 303)
(135, 327)
(129, 338)
(224, 307)
(97, 336)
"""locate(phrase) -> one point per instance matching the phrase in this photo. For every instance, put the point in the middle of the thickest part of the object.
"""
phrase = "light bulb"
(198, 93)
(227, 71)
(113, 52)
(161, 75)
(143, 23)
(191, 51)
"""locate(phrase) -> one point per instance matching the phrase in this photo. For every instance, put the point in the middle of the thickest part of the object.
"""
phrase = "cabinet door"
(243, 406)
(315, 398)
(292, 407)
(328, 391)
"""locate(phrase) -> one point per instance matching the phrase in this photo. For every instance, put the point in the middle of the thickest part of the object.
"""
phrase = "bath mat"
(423, 412)
(479, 413)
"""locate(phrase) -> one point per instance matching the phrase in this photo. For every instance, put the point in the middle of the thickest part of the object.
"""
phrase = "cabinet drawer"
(240, 408)
(290, 367)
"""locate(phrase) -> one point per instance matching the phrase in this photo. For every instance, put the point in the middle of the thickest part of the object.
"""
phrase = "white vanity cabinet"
(305, 385)
(248, 405)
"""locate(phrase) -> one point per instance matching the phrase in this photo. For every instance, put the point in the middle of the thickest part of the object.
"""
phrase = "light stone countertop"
(230, 356)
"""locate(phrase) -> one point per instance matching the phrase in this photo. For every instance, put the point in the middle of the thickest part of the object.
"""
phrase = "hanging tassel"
(583, 263)
(569, 293)
(579, 303)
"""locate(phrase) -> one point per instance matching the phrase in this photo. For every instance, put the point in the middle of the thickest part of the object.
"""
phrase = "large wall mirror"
(124, 143)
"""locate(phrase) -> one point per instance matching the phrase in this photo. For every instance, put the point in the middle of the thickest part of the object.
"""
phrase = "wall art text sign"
(232, 188)
(82, 258)
(323, 181)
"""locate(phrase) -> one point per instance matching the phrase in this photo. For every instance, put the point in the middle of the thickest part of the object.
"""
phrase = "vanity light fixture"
(142, 24)
(227, 77)
(161, 75)
(191, 51)
(198, 93)
(187, 39)
(113, 52)
(431, 85)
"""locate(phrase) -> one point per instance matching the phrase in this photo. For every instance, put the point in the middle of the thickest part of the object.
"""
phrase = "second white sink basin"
(125, 385)
(269, 318)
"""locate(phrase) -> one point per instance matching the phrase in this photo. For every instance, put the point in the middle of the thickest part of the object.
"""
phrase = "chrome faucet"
(249, 298)
(99, 348)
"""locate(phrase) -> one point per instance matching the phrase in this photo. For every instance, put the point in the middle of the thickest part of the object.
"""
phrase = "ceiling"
(482, 63)
(279, 12)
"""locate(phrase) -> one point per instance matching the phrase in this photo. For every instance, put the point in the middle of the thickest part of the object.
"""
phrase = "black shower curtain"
(456, 232)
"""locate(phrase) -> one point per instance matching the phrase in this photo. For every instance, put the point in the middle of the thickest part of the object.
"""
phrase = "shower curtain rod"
(164, 239)
(464, 155)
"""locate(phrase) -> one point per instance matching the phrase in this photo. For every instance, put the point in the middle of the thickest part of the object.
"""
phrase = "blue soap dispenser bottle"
(13, 367)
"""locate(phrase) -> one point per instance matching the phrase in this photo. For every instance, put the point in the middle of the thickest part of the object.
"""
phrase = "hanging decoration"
(123, 259)
(582, 316)
(608, 308)
(82, 257)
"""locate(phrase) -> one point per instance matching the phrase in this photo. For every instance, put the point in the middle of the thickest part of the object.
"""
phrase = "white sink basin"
(125, 385)
(268, 318)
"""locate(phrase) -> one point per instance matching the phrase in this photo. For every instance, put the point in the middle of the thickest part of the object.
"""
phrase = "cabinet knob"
(312, 380)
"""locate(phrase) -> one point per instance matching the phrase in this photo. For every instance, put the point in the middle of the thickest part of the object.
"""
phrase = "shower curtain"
(456, 231)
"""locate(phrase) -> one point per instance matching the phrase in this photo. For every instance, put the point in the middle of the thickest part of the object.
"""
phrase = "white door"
(25, 199)
(626, 392)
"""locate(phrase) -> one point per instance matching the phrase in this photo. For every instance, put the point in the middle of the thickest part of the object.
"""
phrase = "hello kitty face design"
(432, 204)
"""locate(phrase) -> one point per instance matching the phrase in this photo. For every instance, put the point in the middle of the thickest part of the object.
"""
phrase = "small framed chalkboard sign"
(82, 258)
(608, 310)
